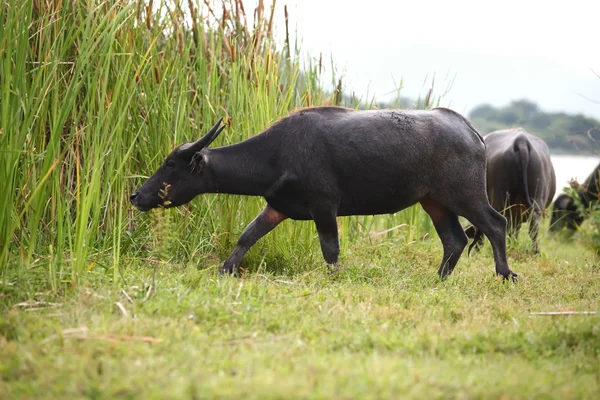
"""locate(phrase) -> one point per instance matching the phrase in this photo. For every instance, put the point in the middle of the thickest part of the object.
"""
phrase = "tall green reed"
(95, 94)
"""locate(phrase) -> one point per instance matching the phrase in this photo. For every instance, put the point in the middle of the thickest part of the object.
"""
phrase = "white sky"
(497, 51)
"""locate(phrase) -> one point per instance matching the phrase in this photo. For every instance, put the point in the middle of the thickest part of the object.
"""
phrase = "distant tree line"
(564, 133)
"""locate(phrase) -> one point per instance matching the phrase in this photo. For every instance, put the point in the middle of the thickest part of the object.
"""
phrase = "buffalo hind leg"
(264, 223)
(450, 232)
(534, 226)
(326, 223)
(493, 225)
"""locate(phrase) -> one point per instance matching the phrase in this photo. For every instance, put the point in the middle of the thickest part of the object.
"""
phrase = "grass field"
(100, 301)
(383, 327)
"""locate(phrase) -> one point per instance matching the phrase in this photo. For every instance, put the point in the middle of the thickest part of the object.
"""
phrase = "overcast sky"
(496, 52)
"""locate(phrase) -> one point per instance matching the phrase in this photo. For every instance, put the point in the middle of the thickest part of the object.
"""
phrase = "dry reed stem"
(82, 333)
(270, 27)
(148, 15)
(287, 31)
(122, 309)
(388, 230)
(37, 305)
(550, 313)
(129, 299)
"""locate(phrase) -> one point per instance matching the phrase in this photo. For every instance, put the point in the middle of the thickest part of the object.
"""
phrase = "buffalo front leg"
(493, 225)
(450, 232)
(325, 221)
(264, 223)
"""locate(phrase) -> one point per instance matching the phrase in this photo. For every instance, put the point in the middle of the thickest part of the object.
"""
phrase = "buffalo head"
(180, 178)
(565, 214)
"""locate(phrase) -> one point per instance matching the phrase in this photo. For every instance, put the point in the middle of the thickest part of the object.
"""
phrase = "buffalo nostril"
(132, 197)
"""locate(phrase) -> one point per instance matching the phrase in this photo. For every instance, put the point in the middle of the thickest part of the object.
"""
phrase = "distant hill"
(564, 133)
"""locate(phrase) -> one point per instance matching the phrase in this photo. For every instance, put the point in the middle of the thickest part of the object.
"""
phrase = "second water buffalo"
(520, 179)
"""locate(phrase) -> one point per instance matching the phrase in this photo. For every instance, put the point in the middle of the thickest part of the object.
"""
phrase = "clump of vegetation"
(594, 236)
(590, 231)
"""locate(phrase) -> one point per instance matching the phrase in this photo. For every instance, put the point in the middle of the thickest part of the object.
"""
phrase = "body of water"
(569, 167)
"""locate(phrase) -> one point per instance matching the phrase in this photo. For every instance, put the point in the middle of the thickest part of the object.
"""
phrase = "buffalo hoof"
(227, 269)
(444, 272)
(333, 269)
(508, 276)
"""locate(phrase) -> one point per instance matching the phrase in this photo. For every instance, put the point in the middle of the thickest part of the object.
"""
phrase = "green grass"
(383, 327)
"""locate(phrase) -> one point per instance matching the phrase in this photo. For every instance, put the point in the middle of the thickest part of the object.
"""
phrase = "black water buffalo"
(520, 179)
(565, 212)
(323, 162)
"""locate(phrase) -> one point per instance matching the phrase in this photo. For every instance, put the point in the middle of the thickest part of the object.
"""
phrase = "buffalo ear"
(198, 163)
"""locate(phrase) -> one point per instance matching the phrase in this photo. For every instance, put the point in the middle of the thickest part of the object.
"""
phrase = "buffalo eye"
(170, 163)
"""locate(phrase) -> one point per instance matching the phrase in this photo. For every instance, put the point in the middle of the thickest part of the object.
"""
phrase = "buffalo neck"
(245, 168)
